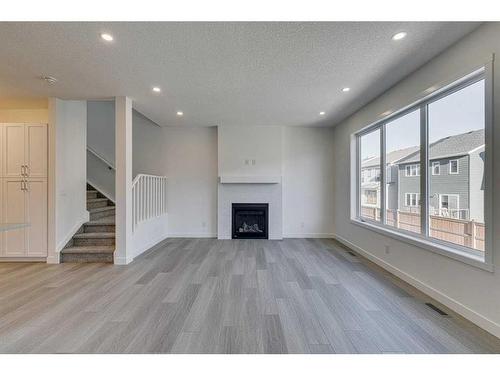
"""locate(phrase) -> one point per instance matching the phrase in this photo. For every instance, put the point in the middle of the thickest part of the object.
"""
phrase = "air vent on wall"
(436, 309)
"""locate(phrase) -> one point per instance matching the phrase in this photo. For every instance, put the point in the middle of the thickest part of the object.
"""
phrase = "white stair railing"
(149, 198)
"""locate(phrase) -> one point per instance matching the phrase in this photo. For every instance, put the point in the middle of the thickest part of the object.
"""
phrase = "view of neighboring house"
(456, 177)
(456, 169)
(370, 178)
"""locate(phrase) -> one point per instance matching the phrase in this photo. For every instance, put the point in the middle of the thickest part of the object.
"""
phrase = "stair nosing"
(95, 235)
(102, 249)
(101, 209)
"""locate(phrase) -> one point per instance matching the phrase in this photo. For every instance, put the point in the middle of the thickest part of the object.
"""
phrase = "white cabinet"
(36, 216)
(36, 150)
(23, 190)
(14, 150)
(24, 150)
(14, 211)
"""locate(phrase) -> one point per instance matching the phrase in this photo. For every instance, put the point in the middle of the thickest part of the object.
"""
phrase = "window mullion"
(358, 177)
(382, 175)
(424, 171)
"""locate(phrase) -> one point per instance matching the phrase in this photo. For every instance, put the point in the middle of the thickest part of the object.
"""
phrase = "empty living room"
(289, 178)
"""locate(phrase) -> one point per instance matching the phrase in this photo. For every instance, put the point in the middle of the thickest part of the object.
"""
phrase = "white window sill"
(435, 247)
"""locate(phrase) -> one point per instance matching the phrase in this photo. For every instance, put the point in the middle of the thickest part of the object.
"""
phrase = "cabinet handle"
(22, 170)
(26, 170)
(26, 185)
(22, 185)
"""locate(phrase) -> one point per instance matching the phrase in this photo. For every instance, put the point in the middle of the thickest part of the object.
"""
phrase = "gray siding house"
(370, 178)
(456, 174)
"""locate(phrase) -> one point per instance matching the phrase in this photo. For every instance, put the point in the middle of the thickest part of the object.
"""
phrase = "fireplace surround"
(250, 220)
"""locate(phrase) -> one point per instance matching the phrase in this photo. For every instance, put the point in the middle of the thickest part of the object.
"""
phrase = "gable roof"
(391, 158)
(454, 145)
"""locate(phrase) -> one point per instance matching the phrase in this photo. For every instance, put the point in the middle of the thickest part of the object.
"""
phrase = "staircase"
(95, 240)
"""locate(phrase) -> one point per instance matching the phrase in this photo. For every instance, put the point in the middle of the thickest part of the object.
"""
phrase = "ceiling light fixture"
(180, 113)
(107, 37)
(156, 89)
(399, 36)
(346, 89)
(322, 113)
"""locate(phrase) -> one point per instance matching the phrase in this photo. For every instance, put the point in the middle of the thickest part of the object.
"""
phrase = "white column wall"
(123, 183)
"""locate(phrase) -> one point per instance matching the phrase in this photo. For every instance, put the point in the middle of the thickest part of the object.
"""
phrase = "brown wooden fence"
(467, 233)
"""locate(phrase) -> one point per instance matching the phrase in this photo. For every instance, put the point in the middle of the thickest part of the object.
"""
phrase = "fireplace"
(250, 220)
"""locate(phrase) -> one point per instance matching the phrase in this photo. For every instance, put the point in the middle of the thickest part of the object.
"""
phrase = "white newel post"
(123, 181)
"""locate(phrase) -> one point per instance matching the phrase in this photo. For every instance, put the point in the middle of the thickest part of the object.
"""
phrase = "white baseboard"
(149, 245)
(24, 259)
(459, 308)
(54, 258)
(192, 235)
(122, 260)
(308, 235)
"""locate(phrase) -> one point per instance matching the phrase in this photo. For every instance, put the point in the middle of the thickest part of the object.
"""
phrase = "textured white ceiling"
(221, 73)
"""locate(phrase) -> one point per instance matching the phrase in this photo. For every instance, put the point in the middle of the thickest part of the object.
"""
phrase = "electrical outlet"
(302, 224)
(204, 224)
(387, 249)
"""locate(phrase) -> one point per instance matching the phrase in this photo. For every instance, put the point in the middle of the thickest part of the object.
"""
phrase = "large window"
(370, 176)
(430, 163)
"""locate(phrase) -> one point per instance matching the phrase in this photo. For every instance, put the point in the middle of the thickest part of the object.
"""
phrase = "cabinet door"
(13, 149)
(36, 150)
(2, 131)
(14, 211)
(36, 217)
(1, 215)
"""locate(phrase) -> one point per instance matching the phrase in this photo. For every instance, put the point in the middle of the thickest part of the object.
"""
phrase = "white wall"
(472, 292)
(188, 157)
(192, 158)
(262, 144)
(101, 128)
(24, 110)
(308, 204)
(71, 139)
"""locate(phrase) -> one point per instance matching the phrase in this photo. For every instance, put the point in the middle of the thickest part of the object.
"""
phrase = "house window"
(441, 220)
(436, 168)
(412, 199)
(453, 166)
(412, 170)
(448, 201)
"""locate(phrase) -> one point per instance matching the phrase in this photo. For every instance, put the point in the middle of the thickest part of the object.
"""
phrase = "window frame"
(434, 164)
(412, 168)
(458, 166)
(448, 195)
(417, 199)
(480, 259)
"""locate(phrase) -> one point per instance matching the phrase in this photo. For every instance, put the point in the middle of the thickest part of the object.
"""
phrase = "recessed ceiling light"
(322, 113)
(107, 37)
(180, 113)
(399, 36)
(346, 89)
(156, 89)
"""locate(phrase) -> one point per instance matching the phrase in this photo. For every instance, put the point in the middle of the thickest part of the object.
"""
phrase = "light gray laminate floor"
(210, 296)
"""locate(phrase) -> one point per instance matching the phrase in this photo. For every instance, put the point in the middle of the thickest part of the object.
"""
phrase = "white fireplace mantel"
(250, 179)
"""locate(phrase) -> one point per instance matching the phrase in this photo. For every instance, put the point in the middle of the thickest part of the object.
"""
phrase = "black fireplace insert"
(250, 220)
